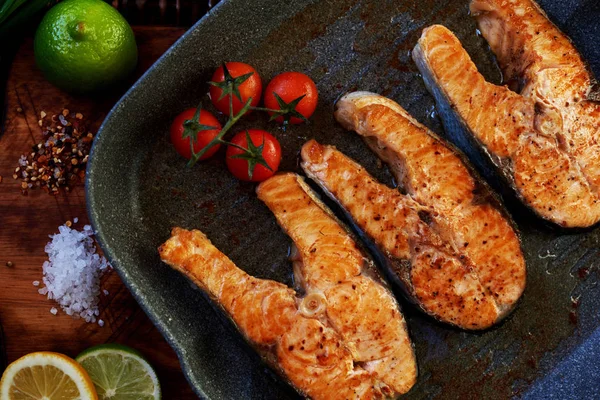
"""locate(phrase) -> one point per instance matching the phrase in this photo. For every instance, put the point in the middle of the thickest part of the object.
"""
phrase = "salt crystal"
(36, 283)
(100, 323)
(72, 273)
(75, 220)
(53, 310)
(105, 292)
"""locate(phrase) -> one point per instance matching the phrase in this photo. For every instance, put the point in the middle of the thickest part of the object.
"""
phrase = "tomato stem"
(230, 86)
(252, 154)
(264, 109)
(218, 139)
(288, 110)
(192, 127)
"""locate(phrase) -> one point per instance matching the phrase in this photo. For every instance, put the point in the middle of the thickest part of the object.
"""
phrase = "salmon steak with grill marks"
(463, 210)
(541, 135)
(341, 334)
(445, 237)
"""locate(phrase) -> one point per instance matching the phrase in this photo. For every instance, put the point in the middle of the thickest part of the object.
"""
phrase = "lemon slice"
(46, 376)
(120, 373)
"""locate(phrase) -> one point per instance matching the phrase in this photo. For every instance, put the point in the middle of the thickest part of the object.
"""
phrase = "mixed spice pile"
(59, 160)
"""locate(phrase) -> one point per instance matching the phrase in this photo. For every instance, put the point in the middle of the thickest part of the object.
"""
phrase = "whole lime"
(84, 46)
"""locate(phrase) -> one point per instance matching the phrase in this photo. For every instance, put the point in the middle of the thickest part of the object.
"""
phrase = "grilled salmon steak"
(463, 210)
(342, 336)
(439, 278)
(543, 137)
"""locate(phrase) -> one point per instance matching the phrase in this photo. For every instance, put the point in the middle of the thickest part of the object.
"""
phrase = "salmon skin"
(344, 337)
(542, 139)
(449, 193)
(417, 247)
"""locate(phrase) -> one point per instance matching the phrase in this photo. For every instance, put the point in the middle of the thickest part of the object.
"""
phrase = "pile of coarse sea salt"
(72, 273)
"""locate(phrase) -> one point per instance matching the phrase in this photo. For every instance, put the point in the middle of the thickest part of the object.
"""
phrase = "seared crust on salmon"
(439, 178)
(441, 280)
(542, 138)
(358, 304)
(344, 338)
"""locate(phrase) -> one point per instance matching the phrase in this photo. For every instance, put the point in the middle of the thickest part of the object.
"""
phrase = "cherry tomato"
(289, 86)
(251, 87)
(182, 145)
(271, 154)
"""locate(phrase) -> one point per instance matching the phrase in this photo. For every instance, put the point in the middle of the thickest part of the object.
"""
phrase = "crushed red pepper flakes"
(58, 161)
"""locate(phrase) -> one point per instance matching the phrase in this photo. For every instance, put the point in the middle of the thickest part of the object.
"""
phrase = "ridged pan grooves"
(138, 188)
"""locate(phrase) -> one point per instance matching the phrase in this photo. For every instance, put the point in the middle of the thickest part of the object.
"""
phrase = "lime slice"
(120, 373)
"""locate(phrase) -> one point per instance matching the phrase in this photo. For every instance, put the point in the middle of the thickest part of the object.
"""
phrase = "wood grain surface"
(26, 222)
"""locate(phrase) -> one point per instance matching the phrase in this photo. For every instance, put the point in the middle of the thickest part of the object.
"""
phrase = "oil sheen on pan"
(344, 46)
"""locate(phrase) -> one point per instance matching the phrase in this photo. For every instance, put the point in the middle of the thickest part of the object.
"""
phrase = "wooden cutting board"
(26, 222)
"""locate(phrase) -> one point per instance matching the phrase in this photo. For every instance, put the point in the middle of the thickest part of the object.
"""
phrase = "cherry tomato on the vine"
(289, 87)
(245, 82)
(203, 137)
(246, 159)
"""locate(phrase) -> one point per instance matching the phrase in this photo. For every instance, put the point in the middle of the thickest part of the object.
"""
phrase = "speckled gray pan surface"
(138, 188)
